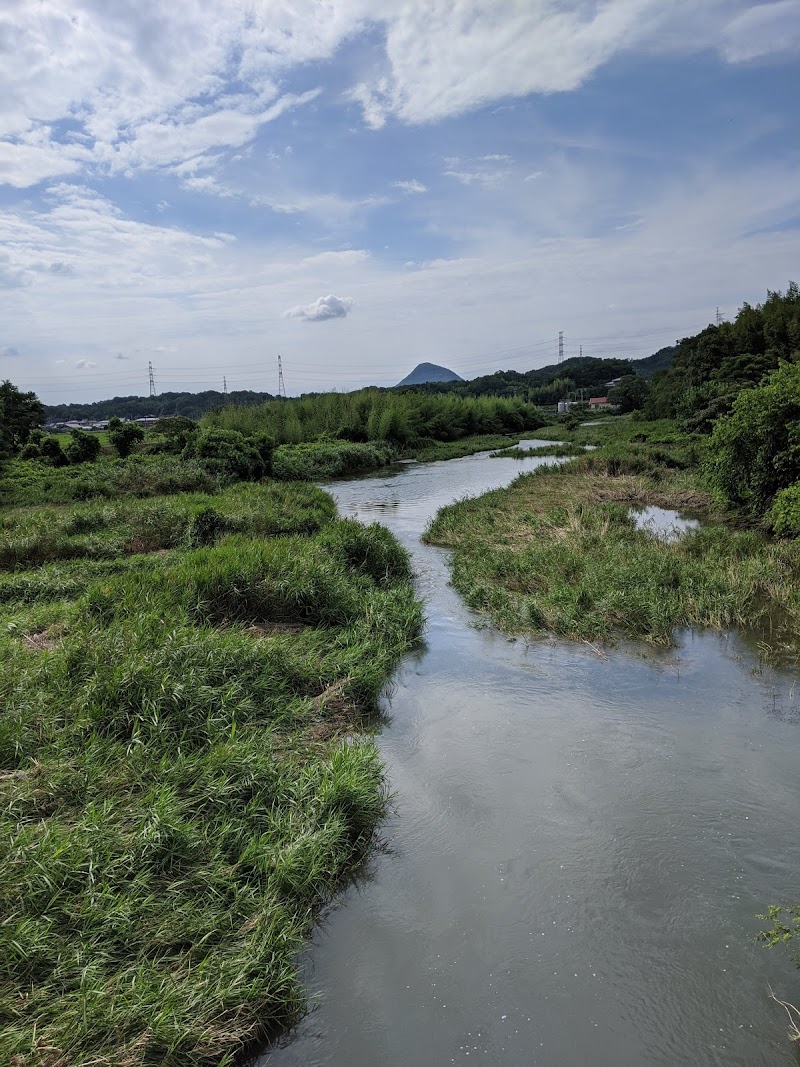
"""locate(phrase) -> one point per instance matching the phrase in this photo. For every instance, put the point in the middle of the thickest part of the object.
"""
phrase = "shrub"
(229, 453)
(784, 515)
(755, 451)
(83, 448)
(124, 436)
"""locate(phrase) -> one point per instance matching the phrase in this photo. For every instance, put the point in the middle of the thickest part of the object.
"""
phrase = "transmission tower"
(560, 346)
(152, 380)
(281, 383)
(719, 316)
(224, 386)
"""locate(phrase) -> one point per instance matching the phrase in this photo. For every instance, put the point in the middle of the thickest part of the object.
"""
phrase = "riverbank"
(559, 551)
(186, 771)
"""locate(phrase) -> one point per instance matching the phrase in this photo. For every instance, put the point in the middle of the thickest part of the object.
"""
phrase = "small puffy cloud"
(763, 30)
(412, 186)
(325, 307)
(9, 352)
(85, 364)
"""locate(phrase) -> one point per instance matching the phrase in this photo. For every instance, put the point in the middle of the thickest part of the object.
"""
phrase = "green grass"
(558, 552)
(466, 446)
(28, 484)
(108, 529)
(182, 780)
(321, 460)
(557, 450)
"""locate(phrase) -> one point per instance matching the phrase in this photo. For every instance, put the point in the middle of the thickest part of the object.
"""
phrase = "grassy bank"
(556, 450)
(182, 779)
(466, 446)
(559, 551)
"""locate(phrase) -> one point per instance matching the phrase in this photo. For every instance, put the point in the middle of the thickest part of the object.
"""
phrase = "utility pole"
(152, 380)
(560, 346)
(281, 383)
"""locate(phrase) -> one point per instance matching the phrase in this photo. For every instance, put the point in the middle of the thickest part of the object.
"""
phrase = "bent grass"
(181, 783)
(559, 552)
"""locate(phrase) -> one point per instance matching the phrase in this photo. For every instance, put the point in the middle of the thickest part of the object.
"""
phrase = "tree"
(629, 394)
(124, 436)
(20, 413)
(755, 451)
(83, 448)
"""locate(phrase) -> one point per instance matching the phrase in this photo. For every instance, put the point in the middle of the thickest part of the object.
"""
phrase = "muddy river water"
(580, 843)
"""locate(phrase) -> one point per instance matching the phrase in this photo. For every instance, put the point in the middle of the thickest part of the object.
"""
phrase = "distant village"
(95, 425)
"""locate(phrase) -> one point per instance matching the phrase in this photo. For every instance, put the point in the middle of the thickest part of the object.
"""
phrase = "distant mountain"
(430, 372)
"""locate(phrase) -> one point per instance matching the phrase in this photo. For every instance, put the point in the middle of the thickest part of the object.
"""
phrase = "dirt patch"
(337, 714)
(43, 640)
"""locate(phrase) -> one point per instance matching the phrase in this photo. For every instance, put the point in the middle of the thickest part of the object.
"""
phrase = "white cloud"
(412, 186)
(763, 30)
(85, 364)
(325, 307)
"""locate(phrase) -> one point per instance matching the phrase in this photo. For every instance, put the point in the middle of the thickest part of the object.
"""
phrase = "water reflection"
(579, 848)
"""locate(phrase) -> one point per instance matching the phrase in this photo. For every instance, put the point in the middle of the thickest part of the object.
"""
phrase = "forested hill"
(558, 381)
(190, 405)
(710, 369)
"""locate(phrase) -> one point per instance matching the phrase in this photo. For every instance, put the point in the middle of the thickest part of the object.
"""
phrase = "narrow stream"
(580, 845)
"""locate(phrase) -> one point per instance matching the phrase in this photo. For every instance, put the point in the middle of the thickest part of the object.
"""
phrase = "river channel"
(580, 843)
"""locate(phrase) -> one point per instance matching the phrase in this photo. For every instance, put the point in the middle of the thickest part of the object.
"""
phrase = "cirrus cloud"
(324, 307)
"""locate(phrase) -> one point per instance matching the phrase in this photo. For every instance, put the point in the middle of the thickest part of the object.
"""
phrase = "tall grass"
(180, 789)
(559, 552)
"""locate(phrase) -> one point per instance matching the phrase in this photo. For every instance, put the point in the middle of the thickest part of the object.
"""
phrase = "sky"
(362, 185)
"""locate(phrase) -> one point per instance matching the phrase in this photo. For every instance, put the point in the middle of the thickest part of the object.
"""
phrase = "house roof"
(598, 400)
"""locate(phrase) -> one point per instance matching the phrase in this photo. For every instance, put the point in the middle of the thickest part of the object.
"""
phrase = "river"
(580, 843)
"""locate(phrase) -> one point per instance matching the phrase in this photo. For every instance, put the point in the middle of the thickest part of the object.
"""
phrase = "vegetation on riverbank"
(181, 788)
(568, 448)
(559, 551)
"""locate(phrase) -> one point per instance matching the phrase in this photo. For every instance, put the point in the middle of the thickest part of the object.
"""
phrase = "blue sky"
(364, 185)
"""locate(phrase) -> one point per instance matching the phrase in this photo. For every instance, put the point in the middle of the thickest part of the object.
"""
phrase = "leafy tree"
(755, 451)
(83, 447)
(124, 436)
(629, 394)
(228, 452)
(20, 413)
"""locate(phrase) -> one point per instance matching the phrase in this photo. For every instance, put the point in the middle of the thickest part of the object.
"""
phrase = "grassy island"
(560, 552)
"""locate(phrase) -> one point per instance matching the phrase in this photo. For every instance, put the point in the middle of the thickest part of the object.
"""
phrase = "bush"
(83, 448)
(784, 515)
(124, 436)
(755, 451)
(229, 453)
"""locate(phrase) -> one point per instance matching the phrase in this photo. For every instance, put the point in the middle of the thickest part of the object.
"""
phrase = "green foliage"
(178, 799)
(228, 453)
(329, 459)
(83, 447)
(785, 928)
(124, 436)
(108, 530)
(755, 451)
(629, 394)
(784, 515)
(710, 369)
(559, 552)
(399, 419)
(20, 413)
(191, 406)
